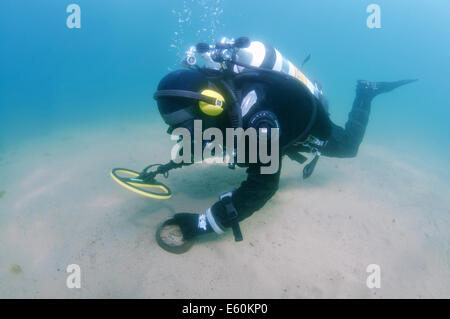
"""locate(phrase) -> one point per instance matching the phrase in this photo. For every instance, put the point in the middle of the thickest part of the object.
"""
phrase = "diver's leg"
(345, 142)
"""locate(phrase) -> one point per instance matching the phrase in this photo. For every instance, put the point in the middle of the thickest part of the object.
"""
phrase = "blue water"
(53, 77)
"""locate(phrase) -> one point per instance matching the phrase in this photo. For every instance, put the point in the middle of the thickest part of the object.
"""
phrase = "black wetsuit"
(289, 106)
(293, 111)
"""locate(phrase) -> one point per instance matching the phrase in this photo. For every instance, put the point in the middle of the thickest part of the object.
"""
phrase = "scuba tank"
(260, 55)
(242, 55)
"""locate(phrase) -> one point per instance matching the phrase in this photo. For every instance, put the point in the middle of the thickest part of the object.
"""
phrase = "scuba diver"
(249, 84)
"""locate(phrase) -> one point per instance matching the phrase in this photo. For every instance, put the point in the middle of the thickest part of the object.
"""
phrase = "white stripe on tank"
(291, 69)
(258, 50)
(278, 61)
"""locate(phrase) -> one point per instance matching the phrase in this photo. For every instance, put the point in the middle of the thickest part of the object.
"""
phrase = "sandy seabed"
(313, 239)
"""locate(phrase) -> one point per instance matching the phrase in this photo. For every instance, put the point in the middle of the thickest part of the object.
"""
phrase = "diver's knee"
(349, 151)
(353, 151)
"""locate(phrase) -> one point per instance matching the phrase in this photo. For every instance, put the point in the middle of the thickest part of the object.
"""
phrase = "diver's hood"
(176, 110)
(185, 95)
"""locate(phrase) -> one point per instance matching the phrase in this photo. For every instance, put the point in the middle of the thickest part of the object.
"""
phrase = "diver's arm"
(243, 202)
(252, 194)
(232, 207)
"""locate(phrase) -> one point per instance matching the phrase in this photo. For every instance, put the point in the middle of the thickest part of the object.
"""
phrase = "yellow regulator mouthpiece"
(212, 109)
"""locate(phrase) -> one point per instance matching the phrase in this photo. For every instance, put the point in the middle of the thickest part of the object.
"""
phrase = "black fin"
(375, 88)
(309, 168)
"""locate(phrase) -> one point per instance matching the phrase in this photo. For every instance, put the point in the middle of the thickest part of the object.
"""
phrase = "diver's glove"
(192, 225)
(223, 214)
(216, 219)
